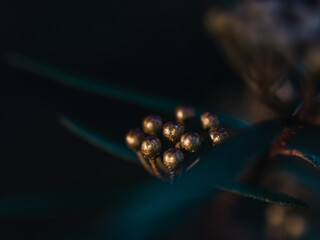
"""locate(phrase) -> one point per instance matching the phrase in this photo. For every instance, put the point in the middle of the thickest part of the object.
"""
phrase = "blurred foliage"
(280, 66)
(145, 207)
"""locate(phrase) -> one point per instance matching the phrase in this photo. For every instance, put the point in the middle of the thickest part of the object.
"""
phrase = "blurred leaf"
(201, 194)
(262, 195)
(123, 152)
(305, 144)
(107, 89)
(59, 202)
(159, 200)
(313, 159)
(308, 176)
(99, 141)
(170, 206)
(308, 139)
(302, 154)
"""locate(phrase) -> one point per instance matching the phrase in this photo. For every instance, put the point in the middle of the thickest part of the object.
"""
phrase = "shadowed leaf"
(122, 151)
(313, 159)
(262, 195)
(201, 194)
(309, 157)
(170, 206)
(155, 199)
(107, 89)
(304, 173)
(305, 144)
(59, 202)
(112, 147)
(308, 139)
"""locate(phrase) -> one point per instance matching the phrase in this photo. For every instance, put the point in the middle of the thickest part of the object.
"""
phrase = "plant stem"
(145, 164)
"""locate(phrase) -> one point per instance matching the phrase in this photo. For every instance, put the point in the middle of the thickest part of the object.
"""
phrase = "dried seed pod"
(190, 141)
(151, 147)
(152, 124)
(218, 135)
(184, 113)
(209, 120)
(172, 158)
(134, 138)
(173, 131)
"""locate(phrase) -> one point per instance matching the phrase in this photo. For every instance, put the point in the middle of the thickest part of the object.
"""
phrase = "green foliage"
(57, 202)
(112, 147)
(313, 159)
(263, 195)
(155, 208)
(169, 206)
(308, 139)
(306, 144)
(106, 89)
(123, 152)
(304, 173)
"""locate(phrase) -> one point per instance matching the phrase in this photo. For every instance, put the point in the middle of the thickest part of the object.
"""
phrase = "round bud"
(172, 158)
(134, 138)
(151, 147)
(218, 135)
(173, 131)
(152, 124)
(190, 141)
(209, 120)
(184, 113)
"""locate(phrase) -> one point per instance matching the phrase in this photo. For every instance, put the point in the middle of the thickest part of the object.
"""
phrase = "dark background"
(160, 47)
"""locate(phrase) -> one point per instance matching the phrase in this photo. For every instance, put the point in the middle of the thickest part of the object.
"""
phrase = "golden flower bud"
(172, 158)
(209, 120)
(173, 131)
(152, 124)
(218, 135)
(184, 113)
(134, 138)
(190, 141)
(151, 147)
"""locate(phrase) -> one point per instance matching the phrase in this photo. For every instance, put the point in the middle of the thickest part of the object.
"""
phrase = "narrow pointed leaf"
(106, 89)
(154, 199)
(313, 159)
(307, 176)
(59, 201)
(122, 151)
(170, 206)
(112, 147)
(262, 195)
(307, 139)
(305, 144)
(302, 154)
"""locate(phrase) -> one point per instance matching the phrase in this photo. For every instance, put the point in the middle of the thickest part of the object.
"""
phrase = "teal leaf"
(156, 103)
(170, 206)
(305, 144)
(304, 173)
(123, 152)
(111, 147)
(152, 198)
(160, 190)
(307, 139)
(262, 195)
(59, 201)
(234, 155)
(305, 155)
(313, 159)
